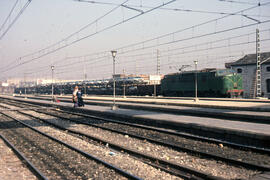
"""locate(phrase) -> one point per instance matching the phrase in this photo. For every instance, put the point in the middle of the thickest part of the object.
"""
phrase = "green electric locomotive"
(210, 83)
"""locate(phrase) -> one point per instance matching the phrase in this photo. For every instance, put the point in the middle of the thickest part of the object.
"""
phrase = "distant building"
(14, 81)
(247, 67)
(5, 88)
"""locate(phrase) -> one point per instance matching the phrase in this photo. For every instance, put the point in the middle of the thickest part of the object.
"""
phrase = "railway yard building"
(246, 66)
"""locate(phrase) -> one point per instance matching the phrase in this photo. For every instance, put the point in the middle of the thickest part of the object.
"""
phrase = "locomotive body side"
(222, 83)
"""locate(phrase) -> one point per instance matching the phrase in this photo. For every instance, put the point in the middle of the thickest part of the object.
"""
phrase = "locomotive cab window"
(268, 68)
(235, 85)
(239, 70)
(268, 85)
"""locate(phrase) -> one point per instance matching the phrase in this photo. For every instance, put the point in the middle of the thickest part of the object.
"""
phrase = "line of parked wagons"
(210, 83)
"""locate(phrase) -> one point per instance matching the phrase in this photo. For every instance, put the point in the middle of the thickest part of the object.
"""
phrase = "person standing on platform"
(80, 99)
(75, 97)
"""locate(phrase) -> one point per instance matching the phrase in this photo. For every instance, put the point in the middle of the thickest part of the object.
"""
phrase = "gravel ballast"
(213, 167)
(121, 160)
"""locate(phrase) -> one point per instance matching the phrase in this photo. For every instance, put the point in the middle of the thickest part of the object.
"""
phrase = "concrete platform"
(255, 134)
(232, 104)
(252, 111)
(219, 103)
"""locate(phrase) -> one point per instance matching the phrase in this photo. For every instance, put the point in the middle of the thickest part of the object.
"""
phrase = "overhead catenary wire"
(163, 55)
(207, 22)
(78, 31)
(203, 55)
(109, 3)
(207, 34)
(238, 2)
(85, 37)
(136, 43)
(218, 47)
(195, 37)
(178, 9)
(143, 66)
(66, 38)
(12, 9)
(181, 48)
(204, 43)
(104, 57)
(15, 19)
(236, 55)
(192, 27)
(153, 59)
(131, 51)
(198, 36)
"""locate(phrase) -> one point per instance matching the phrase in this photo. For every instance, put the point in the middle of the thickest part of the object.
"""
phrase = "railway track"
(30, 166)
(183, 172)
(185, 134)
(107, 125)
(55, 158)
(124, 124)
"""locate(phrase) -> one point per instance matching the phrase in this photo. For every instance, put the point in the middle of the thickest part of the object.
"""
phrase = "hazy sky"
(77, 37)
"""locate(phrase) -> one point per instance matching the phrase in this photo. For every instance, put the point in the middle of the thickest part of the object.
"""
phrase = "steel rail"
(181, 171)
(248, 165)
(87, 155)
(17, 109)
(174, 168)
(171, 145)
(185, 135)
(244, 164)
(24, 160)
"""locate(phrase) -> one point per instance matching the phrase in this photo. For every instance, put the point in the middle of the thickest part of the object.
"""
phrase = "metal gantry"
(158, 72)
